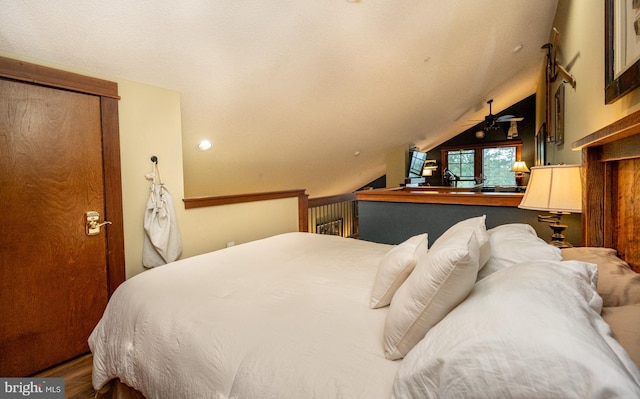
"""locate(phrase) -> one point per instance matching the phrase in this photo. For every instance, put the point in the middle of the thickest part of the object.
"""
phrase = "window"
(488, 163)
(496, 166)
(462, 164)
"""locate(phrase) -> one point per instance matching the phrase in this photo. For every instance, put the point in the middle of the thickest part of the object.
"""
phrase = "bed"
(474, 313)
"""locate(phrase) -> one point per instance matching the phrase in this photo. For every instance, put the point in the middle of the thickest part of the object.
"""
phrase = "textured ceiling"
(289, 91)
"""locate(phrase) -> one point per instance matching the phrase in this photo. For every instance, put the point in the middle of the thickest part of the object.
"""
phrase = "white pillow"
(529, 331)
(479, 226)
(395, 267)
(440, 281)
(515, 243)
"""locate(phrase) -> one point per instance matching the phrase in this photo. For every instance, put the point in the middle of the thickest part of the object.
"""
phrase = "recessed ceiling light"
(517, 48)
(204, 145)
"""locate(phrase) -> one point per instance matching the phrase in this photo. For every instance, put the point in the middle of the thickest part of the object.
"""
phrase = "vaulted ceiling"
(299, 93)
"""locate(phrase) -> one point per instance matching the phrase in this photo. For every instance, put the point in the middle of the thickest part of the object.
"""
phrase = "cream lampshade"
(558, 190)
(520, 167)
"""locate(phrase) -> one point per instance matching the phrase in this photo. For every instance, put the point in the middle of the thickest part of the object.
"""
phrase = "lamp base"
(557, 238)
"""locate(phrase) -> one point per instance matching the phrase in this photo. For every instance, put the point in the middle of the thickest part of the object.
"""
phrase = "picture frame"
(540, 139)
(558, 115)
(333, 227)
(622, 48)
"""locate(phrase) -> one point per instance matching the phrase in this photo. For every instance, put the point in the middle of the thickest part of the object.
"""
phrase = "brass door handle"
(93, 226)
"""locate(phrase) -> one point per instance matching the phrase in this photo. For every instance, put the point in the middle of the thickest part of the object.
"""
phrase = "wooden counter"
(437, 195)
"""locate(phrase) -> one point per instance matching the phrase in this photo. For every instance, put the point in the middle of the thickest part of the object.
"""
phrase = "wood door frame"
(108, 93)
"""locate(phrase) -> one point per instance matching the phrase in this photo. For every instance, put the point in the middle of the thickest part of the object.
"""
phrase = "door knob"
(93, 226)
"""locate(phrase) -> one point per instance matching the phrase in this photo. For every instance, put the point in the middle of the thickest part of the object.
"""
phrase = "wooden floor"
(77, 377)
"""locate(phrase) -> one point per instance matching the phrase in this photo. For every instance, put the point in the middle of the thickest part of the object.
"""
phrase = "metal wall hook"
(155, 173)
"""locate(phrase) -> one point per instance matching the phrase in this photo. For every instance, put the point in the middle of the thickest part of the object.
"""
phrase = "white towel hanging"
(162, 242)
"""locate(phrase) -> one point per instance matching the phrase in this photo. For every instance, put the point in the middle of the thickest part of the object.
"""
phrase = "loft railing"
(334, 215)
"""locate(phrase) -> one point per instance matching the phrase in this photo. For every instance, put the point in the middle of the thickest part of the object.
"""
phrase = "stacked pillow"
(442, 278)
(395, 267)
(515, 243)
(423, 286)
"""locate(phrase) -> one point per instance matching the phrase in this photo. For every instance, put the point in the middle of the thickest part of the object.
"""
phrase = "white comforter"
(284, 317)
(289, 317)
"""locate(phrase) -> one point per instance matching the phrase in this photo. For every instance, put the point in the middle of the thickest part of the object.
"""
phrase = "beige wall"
(397, 162)
(581, 50)
(150, 124)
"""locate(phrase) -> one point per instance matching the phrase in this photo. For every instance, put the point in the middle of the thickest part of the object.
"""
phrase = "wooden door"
(54, 280)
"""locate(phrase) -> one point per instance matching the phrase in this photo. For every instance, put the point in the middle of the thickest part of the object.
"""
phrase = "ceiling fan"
(491, 122)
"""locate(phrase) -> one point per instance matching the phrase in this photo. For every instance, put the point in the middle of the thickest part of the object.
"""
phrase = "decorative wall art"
(333, 227)
(558, 115)
(622, 48)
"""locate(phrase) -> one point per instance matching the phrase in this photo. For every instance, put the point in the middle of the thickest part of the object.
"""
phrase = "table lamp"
(558, 190)
(520, 168)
